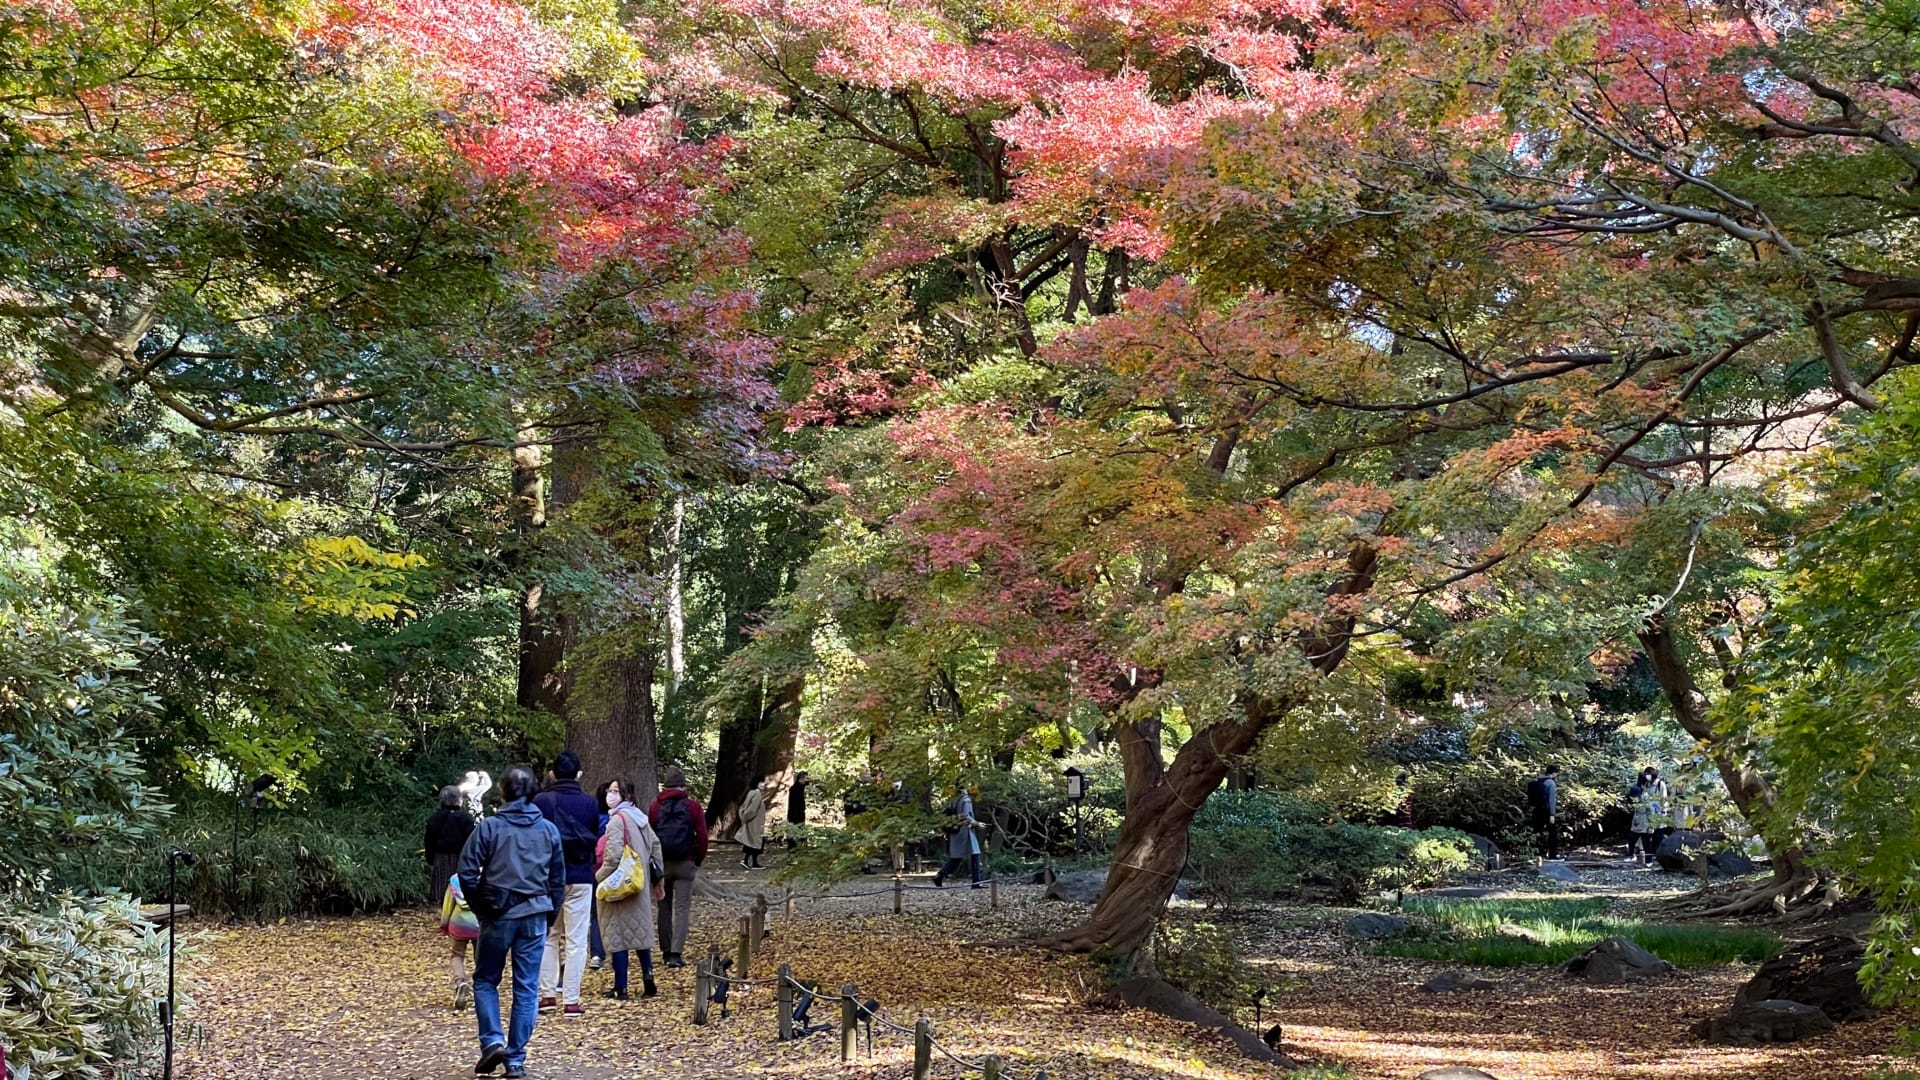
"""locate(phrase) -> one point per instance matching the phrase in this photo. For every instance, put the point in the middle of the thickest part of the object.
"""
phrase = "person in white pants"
(574, 813)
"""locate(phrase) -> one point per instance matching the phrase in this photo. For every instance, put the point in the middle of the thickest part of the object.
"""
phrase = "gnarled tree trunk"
(1162, 799)
(1793, 878)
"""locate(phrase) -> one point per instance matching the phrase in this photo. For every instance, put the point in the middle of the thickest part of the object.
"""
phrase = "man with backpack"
(681, 825)
(1543, 795)
(513, 876)
(574, 813)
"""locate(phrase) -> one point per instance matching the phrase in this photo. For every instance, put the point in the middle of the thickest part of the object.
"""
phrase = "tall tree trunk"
(1793, 877)
(541, 680)
(676, 598)
(611, 723)
(758, 741)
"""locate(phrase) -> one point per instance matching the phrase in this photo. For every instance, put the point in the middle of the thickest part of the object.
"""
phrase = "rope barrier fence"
(717, 976)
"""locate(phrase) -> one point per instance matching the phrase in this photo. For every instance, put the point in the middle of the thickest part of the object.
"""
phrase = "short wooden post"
(744, 964)
(899, 894)
(849, 1022)
(784, 995)
(788, 915)
(922, 1049)
(990, 1068)
(759, 920)
(702, 992)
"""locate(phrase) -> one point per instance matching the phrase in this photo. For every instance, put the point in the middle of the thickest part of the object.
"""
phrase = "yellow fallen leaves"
(368, 999)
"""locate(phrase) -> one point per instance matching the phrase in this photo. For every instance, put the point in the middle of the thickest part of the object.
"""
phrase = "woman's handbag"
(628, 879)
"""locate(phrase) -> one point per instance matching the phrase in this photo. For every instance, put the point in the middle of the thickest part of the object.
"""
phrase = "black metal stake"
(175, 857)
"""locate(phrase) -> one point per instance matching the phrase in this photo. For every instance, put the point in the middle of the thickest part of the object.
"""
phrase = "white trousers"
(568, 938)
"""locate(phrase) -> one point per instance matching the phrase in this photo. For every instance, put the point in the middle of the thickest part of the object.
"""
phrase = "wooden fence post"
(849, 1022)
(784, 995)
(923, 1049)
(759, 920)
(990, 1068)
(745, 962)
(993, 879)
(899, 894)
(788, 916)
(702, 991)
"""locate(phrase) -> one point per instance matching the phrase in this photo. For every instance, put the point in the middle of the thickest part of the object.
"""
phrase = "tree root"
(1775, 897)
(1158, 995)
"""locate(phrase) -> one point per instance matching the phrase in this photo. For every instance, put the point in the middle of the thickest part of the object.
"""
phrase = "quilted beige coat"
(628, 924)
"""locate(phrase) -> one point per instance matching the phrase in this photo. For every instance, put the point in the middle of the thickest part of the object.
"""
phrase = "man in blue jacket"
(577, 816)
(514, 877)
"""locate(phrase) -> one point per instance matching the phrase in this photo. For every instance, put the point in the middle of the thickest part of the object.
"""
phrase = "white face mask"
(613, 800)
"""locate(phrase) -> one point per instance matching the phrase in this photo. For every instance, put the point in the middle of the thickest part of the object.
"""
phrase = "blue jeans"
(620, 967)
(524, 939)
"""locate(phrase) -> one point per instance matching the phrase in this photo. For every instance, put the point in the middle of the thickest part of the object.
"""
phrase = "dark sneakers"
(490, 1059)
(648, 989)
(515, 1072)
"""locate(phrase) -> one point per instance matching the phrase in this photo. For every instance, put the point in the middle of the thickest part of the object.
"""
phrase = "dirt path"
(366, 998)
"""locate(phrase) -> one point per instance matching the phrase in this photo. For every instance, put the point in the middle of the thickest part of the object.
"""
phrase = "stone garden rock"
(1756, 1022)
(1616, 962)
(1454, 982)
(1085, 887)
(1559, 871)
(1823, 973)
(1078, 887)
(1488, 850)
(1375, 925)
(1468, 892)
(1456, 1072)
(1674, 853)
(1523, 933)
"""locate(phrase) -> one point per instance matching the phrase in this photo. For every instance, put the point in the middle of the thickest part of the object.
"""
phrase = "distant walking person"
(681, 824)
(752, 833)
(963, 847)
(797, 806)
(1640, 830)
(574, 814)
(628, 924)
(514, 877)
(1543, 797)
(447, 831)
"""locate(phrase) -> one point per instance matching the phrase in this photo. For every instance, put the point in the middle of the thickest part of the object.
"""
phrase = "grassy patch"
(1519, 933)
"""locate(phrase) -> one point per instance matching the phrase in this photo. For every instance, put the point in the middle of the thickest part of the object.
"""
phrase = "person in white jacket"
(752, 833)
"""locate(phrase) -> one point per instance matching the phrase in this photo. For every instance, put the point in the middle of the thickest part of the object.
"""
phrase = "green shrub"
(1205, 961)
(80, 983)
(1487, 795)
(336, 862)
(73, 802)
(1254, 845)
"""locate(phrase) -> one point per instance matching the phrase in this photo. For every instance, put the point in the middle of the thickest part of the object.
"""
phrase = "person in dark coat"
(514, 876)
(447, 832)
(963, 846)
(577, 817)
(797, 805)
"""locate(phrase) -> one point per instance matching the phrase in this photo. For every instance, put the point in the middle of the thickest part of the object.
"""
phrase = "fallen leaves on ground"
(369, 997)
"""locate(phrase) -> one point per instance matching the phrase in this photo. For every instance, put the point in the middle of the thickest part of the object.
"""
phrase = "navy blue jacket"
(517, 852)
(565, 797)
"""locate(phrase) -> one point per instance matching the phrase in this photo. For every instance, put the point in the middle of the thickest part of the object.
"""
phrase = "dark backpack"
(675, 828)
(1537, 793)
